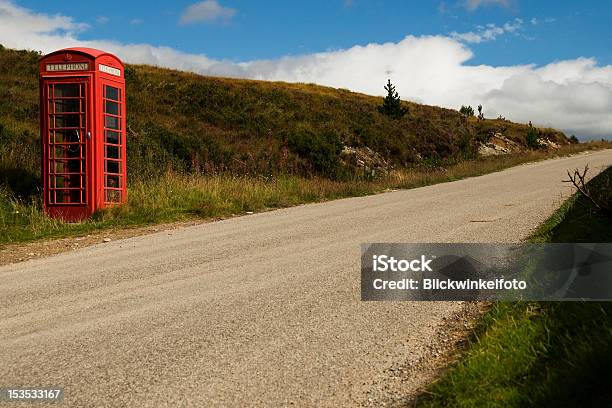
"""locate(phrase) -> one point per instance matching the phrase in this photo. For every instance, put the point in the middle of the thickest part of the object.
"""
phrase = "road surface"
(257, 310)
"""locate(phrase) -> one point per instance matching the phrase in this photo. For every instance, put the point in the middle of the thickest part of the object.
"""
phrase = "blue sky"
(274, 28)
(548, 62)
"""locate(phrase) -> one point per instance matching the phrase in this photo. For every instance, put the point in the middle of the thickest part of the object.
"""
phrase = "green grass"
(533, 354)
(178, 196)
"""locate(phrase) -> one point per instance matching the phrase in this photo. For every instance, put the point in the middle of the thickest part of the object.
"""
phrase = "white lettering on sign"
(77, 66)
(109, 70)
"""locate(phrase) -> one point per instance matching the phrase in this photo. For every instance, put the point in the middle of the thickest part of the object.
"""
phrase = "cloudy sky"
(547, 61)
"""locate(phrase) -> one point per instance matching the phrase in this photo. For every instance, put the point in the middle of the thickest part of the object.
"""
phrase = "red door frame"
(100, 141)
(68, 211)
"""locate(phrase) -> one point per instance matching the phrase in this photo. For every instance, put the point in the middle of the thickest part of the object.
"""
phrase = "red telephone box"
(82, 124)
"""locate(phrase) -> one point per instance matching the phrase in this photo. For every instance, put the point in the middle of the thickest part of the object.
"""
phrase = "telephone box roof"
(91, 52)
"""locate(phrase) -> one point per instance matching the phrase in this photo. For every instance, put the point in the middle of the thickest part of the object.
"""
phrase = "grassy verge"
(175, 197)
(540, 353)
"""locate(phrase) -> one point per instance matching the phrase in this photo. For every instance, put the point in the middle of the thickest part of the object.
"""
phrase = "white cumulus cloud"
(573, 95)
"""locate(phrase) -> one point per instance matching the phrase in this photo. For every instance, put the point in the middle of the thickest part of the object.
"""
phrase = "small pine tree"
(533, 138)
(573, 139)
(466, 110)
(392, 104)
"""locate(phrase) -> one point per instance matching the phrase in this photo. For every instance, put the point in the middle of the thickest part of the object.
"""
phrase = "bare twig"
(577, 178)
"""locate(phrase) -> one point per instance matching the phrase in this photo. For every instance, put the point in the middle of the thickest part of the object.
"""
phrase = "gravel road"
(257, 310)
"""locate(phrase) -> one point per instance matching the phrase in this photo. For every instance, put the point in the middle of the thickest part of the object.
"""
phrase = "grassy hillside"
(195, 124)
(201, 147)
